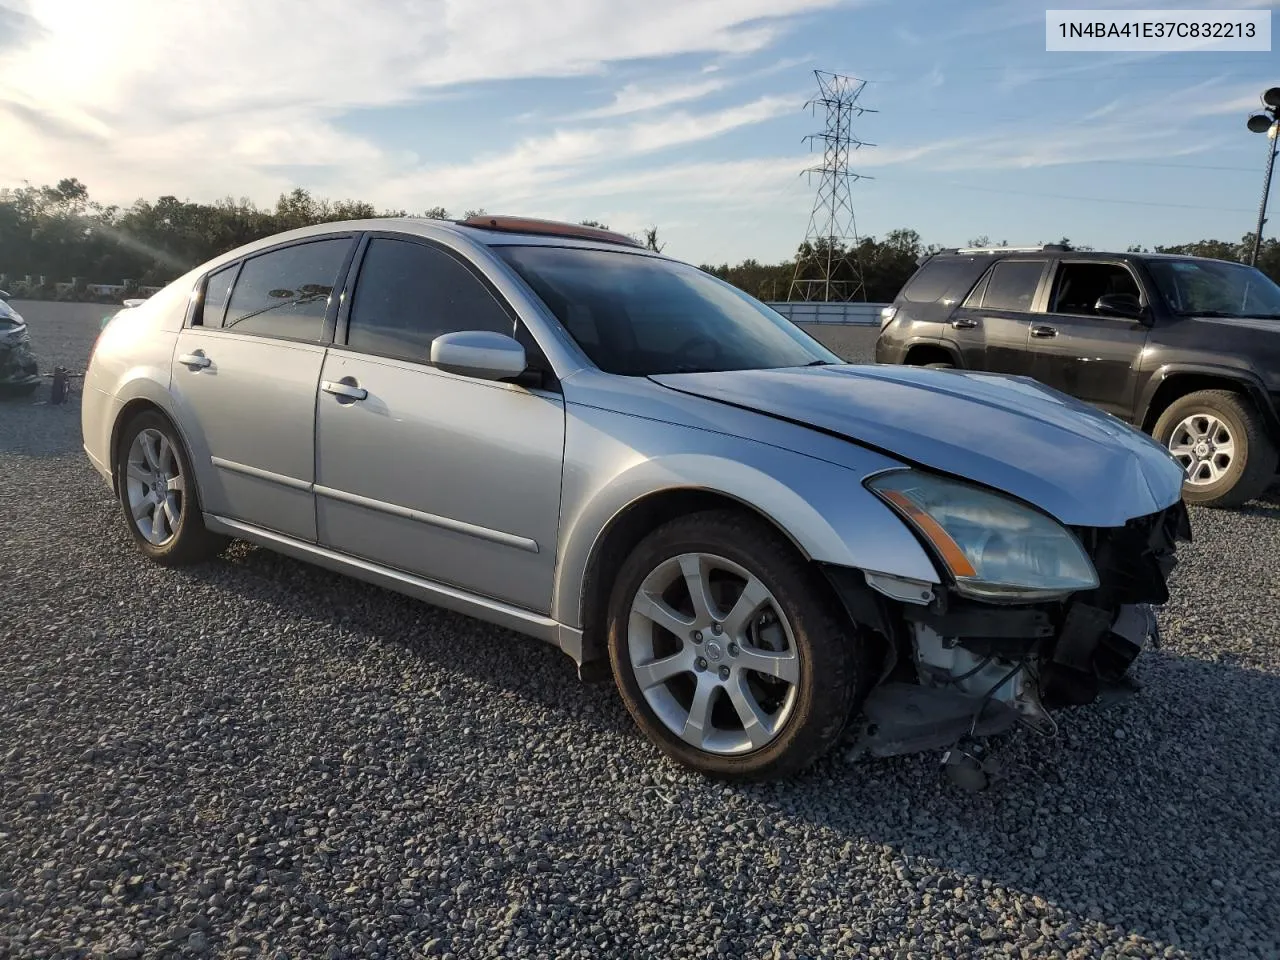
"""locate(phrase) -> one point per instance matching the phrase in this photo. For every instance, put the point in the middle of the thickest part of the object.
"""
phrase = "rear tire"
(157, 492)
(1223, 444)
(760, 683)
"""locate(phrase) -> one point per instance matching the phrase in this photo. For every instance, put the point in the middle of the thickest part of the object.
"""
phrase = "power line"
(1171, 166)
(1076, 198)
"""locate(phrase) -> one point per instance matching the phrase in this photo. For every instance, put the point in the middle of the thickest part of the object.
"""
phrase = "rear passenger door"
(1091, 356)
(992, 326)
(245, 374)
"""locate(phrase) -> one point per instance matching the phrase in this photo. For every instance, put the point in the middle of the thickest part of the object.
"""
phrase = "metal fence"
(815, 311)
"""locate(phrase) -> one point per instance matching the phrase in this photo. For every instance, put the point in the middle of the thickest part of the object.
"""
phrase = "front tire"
(1222, 443)
(729, 652)
(157, 492)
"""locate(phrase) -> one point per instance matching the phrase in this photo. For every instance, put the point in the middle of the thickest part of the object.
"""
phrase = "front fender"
(613, 461)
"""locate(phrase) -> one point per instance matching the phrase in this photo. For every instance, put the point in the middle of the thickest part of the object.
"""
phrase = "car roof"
(1059, 251)
(459, 235)
(566, 235)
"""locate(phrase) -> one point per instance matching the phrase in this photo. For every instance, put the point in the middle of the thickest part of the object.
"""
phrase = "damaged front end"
(19, 372)
(959, 667)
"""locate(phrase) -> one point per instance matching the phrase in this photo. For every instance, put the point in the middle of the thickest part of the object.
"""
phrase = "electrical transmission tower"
(827, 267)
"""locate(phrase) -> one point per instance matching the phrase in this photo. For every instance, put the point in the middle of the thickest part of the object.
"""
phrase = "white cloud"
(206, 101)
(634, 98)
(1241, 103)
(1105, 110)
(532, 168)
(1048, 144)
(755, 180)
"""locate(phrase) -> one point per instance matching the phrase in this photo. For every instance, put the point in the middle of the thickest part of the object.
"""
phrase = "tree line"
(60, 234)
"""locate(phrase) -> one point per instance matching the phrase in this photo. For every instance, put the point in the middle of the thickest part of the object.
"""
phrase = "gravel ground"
(258, 758)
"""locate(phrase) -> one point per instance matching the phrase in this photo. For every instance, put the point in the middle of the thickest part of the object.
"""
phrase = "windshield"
(1215, 287)
(638, 316)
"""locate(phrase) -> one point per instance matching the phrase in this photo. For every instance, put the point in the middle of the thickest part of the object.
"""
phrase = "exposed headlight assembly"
(995, 547)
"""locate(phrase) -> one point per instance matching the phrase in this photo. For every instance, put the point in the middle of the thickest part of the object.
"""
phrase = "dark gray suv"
(1185, 348)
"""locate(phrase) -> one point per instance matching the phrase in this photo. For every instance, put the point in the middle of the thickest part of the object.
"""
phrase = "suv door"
(993, 324)
(245, 373)
(1091, 356)
(447, 477)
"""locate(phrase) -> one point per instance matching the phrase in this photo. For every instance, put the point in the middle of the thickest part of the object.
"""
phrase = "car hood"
(1082, 466)
(8, 315)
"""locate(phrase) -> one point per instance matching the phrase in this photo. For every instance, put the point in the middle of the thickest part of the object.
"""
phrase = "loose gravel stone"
(259, 758)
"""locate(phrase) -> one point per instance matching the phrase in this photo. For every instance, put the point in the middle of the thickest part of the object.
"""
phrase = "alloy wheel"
(713, 654)
(155, 487)
(1203, 444)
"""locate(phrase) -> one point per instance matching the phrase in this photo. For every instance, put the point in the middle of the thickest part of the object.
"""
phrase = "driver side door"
(447, 477)
(1091, 356)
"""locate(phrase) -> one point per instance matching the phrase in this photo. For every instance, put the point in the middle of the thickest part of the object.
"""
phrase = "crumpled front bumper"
(18, 367)
(1042, 656)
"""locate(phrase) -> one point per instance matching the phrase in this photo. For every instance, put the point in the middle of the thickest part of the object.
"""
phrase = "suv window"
(409, 293)
(937, 277)
(1215, 286)
(1078, 286)
(216, 293)
(285, 293)
(1013, 285)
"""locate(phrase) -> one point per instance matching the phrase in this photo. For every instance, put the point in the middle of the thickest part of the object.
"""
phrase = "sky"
(685, 114)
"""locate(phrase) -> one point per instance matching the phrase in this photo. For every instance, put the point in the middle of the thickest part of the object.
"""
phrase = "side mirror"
(479, 353)
(1119, 305)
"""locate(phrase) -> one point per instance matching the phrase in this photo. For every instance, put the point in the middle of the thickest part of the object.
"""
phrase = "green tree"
(60, 232)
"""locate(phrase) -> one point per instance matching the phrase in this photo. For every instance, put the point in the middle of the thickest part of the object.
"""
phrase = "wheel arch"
(919, 352)
(145, 402)
(1169, 383)
(624, 532)
(828, 523)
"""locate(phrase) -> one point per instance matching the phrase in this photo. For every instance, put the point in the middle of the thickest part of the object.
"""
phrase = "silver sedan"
(552, 429)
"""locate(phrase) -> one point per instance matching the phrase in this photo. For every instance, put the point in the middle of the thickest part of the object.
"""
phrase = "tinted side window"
(285, 293)
(1079, 285)
(977, 293)
(409, 293)
(939, 277)
(216, 293)
(1013, 284)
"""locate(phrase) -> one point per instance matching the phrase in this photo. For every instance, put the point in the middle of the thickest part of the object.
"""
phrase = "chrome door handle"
(196, 361)
(1044, 331)
(348, 390)
(964, 323)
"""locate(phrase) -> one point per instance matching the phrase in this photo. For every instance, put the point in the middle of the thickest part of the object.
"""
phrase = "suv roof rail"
(1038, 248)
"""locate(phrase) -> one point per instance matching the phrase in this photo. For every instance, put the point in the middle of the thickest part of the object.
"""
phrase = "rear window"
(285, 293)
(1013, 285)
(941, 277)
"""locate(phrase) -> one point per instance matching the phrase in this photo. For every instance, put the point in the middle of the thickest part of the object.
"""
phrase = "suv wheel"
(1222, 444)
(158, 494)
(728, 651)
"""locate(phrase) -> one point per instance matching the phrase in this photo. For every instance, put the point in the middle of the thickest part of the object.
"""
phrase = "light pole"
(1268, 122)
